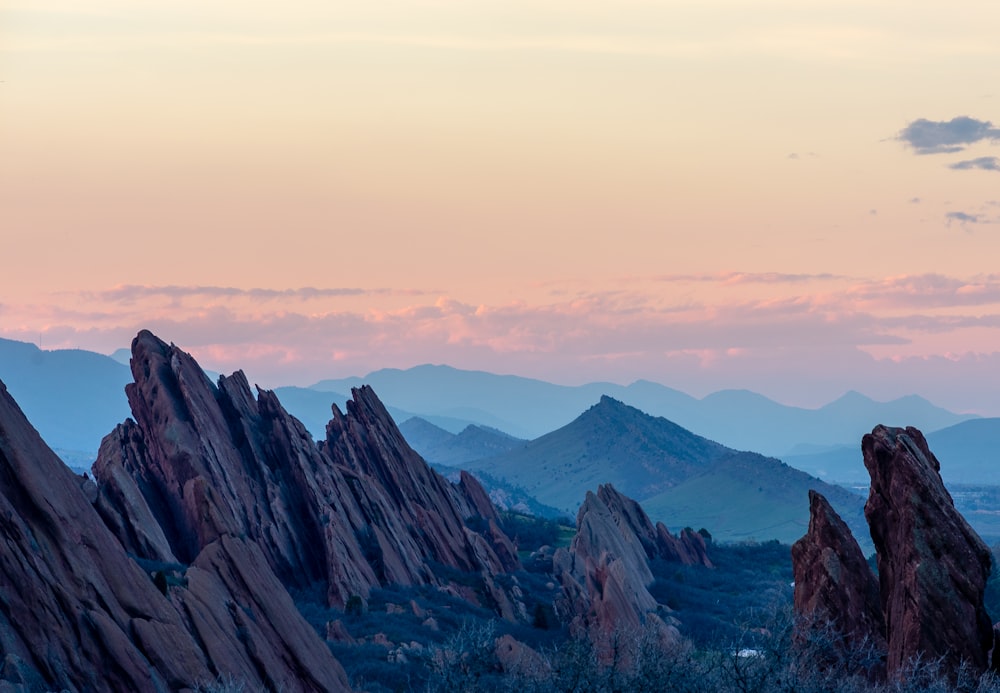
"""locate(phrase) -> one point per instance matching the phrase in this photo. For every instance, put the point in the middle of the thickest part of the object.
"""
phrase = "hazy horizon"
(797, 199)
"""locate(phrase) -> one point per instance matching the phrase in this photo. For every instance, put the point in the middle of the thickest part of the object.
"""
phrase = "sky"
(799, 197)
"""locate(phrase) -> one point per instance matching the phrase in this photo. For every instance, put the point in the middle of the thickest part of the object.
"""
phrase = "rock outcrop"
(835, 589)
(932, 566)
(77, 613)
(605, 573)
(206, 461)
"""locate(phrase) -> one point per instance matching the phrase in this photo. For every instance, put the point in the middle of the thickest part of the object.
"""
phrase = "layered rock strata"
(78, 614)
(605, 573)
(357, 511)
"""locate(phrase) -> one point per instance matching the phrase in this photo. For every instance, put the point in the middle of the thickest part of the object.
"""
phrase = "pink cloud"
(808, 343)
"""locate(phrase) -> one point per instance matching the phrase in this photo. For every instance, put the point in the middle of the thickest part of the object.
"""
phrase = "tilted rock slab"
(205, 461)
(833, 583)
(932, 566)
(77, 613)
(605, 574)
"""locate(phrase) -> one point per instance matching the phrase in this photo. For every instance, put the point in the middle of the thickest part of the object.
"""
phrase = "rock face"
(77, 613)
(174, 568)
(605, 574)
(932, 566)
(833, 582)
(206, 461)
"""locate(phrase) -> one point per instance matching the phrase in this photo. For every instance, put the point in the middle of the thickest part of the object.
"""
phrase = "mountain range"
(74, 396)
(739, 419)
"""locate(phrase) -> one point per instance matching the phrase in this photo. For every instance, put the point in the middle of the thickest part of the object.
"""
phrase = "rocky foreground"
(172, 567)
(927, 602)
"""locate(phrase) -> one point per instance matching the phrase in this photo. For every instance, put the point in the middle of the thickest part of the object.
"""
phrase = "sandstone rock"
(605, 574)
(834, 586)
(336, 631)
(519, 659)
(203, 461)
(80, 615)
(932, 566)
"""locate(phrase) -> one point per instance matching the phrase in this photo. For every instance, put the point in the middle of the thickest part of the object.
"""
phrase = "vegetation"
(737, 634)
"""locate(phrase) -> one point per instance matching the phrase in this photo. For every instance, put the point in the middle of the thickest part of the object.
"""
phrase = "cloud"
(753, 336)
(946, 137)
(731, 278)
(983, 163)
(134, 292)
(925, 291)
(964, 218)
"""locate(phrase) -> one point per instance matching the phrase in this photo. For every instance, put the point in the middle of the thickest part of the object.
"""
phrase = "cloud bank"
(795, 337)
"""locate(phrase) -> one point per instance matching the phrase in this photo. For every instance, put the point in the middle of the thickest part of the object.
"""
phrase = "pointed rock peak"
(609, 408)
(833, 582)
(610, 402)
(884, 442)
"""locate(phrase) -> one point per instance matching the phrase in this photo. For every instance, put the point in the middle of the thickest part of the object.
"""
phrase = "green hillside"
(681, 478)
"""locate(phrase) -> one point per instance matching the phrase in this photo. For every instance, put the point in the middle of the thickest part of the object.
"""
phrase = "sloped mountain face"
(79, 614)
(609, 443)
(206, 461)
(679, 477)
(72, 397)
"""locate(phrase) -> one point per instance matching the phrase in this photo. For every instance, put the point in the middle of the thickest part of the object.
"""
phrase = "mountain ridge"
(677, 475)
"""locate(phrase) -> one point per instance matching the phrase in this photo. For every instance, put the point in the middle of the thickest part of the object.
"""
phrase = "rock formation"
(932, 566)
(835, 589)
(78, 614)
(605, 574)
(174, 567)
(205, 461)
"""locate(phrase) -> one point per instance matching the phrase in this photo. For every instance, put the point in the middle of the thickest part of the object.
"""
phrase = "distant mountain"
(739, 419)
(522, 407)
(76, 397)
(969, 453)
(679, 477)
(72, 397)
(312, 408)
(439, 446)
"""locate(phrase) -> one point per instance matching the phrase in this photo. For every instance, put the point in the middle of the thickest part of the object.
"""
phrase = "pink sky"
(801, 198)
